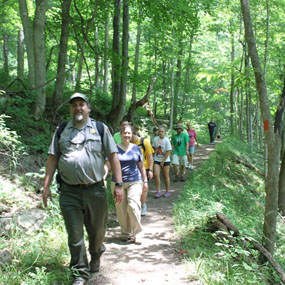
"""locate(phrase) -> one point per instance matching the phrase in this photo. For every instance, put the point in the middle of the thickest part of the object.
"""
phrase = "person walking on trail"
(180, 146)
(211, 126)
(117, 136)
(134, 184)
(162, 153)
(147, 153)
(192, 137)
(79, 153)
(154, 135)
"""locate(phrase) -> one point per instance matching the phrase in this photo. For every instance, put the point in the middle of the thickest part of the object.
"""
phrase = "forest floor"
(158, 260)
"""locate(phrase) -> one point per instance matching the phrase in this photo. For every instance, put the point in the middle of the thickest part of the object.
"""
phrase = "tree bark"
(232, 128)
(137, 56)
(178, 82)
(272, 137)
(62, 54)
(28, 33)
(39, 50)
(5, 54)
(20, 55)
(125, 62)
(106, 62)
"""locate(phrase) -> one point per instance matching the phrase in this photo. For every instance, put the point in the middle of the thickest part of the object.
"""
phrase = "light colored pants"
(129, 211)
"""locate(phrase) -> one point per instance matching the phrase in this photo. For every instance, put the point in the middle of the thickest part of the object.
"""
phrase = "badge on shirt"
(92, 131)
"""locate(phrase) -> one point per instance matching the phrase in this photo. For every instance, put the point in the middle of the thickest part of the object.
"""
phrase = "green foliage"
(11, 148)
(223, 185)
(35, 135)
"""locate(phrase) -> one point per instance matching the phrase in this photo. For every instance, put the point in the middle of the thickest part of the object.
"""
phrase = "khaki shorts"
(179, 160)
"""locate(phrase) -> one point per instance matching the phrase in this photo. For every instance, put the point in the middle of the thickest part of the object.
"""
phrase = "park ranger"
(78, 151)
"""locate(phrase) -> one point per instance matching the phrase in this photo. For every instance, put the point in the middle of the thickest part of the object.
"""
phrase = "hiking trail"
(157, 261)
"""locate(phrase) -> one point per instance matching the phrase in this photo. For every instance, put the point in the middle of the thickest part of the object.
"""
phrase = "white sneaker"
(144, 210)
(189, 166)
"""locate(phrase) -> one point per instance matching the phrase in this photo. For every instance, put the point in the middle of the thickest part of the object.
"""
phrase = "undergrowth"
(221, 184)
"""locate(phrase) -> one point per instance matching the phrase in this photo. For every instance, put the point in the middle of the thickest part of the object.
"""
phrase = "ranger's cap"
(79, 95)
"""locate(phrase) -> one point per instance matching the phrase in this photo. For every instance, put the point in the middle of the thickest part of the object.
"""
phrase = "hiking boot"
(176, 179)
(182, 179)
(94, 265)
(95, 260)
(144, 209)
(79, 281)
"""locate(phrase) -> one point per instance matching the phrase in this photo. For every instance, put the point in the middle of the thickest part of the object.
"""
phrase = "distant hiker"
(180, 146)
(147, 153)
(78, 152)
(192, 137)
(211, 126)
(134, 184)
(162, 153)
(154, 134)
(117, 136)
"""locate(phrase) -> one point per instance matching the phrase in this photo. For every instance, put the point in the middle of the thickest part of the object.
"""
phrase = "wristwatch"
(119, 184)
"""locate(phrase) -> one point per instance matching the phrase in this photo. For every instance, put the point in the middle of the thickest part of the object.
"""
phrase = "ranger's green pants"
(84, 206)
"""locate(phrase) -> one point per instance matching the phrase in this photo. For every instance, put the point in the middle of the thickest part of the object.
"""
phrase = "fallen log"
(222, 224)
(269, 257)
(252, 167)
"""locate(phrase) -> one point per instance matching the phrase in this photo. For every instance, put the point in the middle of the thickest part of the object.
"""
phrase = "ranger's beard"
(78, 117)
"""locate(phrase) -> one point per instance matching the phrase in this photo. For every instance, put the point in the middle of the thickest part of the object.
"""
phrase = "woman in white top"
(162, 147)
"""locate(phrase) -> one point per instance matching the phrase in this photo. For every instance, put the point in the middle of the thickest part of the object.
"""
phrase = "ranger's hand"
(46, 195)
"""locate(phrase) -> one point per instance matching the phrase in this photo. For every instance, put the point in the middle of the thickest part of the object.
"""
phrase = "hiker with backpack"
(134, 184)
(78, 151)
(147, 153)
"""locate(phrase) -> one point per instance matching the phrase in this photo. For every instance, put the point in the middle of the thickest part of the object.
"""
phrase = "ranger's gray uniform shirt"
(81, 153)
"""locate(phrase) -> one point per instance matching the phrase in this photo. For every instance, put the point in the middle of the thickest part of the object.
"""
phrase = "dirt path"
(157, 261)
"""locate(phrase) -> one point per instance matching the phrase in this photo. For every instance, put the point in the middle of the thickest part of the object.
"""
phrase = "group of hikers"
(84, 152)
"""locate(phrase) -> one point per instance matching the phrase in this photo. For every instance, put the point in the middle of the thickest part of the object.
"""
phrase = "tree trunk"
(20, 55)
(96, 43)
(106, 63)
(5, 54)
(136, 68)
(116, 68)
(178, 82)
(28, 33)
(125, 62)
(281, 194)
(232, 124)
(79, 68)
(62, 54)
(186, 94)
(39, 50)
(172, 93)
(272, 137)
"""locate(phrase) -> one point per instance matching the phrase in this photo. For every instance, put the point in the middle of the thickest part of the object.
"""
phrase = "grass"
(222, 185)
(219, 185)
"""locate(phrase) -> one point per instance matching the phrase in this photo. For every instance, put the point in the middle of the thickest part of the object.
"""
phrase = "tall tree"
(62, 53)
(272, 136)
(20, 55)
(35, 43)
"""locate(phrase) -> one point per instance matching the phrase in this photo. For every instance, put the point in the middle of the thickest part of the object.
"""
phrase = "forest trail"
(157, 261)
